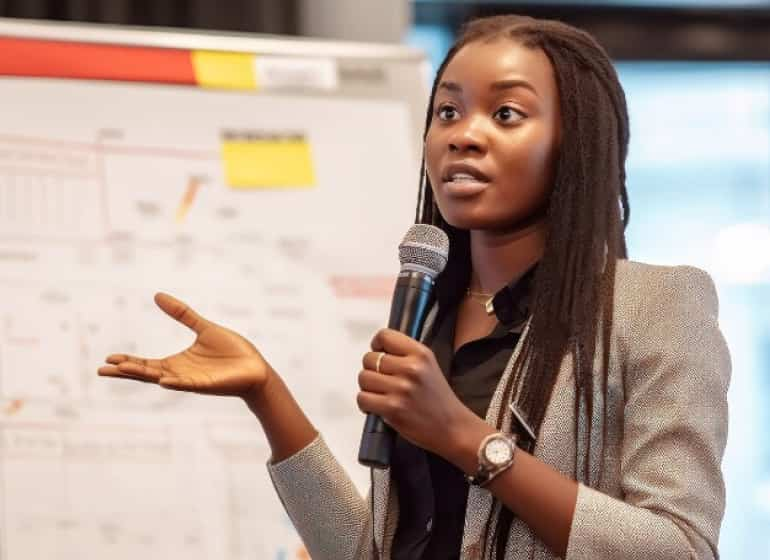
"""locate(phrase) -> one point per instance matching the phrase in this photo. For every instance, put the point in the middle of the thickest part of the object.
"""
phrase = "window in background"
(435, 40)
(699, 188)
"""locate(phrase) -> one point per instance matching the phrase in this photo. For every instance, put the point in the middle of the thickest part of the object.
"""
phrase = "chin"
(469, 220)
(484, 220)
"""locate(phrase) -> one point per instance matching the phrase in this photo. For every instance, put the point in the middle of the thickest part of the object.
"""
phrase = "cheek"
(529, 163)
(432, 158)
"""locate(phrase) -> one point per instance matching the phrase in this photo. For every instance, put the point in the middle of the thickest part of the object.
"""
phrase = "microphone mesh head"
(425, 248)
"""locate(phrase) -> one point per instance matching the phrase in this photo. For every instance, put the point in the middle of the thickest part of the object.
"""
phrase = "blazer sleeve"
(322, 502)
(674, 432)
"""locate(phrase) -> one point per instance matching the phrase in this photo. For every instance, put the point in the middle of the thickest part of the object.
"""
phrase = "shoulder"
(642, 287)
(668, 339)
(668, 309)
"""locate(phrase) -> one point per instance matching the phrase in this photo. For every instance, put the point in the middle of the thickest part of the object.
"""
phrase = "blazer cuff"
(315, 449)
(605, 528)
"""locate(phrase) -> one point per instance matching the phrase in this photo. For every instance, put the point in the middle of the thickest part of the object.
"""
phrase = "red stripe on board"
(63, 59)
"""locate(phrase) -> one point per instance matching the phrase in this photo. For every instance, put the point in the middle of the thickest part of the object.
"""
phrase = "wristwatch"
(496, 453)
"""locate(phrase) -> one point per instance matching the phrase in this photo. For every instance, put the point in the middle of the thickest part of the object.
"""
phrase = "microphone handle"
(411, 301)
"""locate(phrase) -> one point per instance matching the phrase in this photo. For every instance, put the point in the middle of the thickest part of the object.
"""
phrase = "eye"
(507, 114)
(446, 112)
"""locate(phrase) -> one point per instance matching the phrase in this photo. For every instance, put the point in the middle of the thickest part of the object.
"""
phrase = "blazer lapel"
(381, 496)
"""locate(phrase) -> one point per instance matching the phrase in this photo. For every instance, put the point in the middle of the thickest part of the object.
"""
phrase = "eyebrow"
(496, 86)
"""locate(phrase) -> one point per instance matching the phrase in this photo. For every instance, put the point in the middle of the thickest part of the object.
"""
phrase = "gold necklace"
(486, 299)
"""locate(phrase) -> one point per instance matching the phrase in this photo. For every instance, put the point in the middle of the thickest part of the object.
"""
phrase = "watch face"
(498, 452)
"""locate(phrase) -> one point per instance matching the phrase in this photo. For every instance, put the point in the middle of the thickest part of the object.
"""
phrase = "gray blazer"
(660, 494)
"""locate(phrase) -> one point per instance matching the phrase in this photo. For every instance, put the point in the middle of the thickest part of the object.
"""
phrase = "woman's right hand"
(219, 362)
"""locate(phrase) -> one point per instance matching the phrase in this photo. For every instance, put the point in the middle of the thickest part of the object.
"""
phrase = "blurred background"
(697, 79)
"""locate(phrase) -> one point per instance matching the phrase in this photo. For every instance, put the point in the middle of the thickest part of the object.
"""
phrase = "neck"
(499, 258)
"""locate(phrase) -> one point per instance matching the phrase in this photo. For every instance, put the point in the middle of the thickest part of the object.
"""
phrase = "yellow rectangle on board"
(225, 70)
(254, 164)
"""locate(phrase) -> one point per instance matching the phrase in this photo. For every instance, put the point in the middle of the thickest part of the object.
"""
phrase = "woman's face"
(491, 147)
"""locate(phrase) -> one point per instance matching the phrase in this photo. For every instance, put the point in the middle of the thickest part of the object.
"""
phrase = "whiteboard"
(112, 190)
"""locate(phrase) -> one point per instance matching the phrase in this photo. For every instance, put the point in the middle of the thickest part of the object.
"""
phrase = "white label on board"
(282, 72)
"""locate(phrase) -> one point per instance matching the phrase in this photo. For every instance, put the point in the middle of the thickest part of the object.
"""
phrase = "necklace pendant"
(489, 306)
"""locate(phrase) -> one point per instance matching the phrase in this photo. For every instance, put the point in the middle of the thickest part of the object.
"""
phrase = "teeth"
(462, 177)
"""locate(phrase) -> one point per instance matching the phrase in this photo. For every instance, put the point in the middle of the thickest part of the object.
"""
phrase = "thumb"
(180, 311)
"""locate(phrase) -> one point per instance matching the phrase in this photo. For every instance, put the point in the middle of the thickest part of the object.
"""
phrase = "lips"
(463, 181)
(464, 171)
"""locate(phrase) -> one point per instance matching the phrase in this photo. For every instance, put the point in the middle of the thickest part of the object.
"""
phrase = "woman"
(616, 370)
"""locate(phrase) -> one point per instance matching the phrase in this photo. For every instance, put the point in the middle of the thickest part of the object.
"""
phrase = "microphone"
(423, 254)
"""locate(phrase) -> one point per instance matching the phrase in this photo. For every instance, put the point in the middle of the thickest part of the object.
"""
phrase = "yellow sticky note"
(226, 70)
(267, 160)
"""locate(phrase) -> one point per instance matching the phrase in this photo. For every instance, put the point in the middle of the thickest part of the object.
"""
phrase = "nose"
(468, 135)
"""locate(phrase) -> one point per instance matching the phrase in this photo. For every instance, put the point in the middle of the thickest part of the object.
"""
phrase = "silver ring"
(379, 361)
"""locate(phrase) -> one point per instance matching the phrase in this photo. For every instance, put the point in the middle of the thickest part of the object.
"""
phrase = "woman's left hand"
(411, 393)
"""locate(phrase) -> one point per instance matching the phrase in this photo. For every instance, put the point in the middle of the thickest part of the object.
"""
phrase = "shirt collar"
(511, 302)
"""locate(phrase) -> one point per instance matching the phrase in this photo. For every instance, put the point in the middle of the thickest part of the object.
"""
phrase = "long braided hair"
(587, 214)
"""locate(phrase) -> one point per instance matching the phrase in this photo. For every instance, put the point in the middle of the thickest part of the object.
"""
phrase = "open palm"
(219, 362)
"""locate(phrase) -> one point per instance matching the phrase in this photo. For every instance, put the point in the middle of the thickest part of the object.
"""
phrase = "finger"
(389, 364)
(372, 402)
(109, 371)
(113, 371)
(117, 358)
(373, 382)
(120, 358)
(396, 343)
(139, 371)
(181, 312)
(372, 360)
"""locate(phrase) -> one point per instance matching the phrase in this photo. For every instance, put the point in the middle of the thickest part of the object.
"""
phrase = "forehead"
(481, 63)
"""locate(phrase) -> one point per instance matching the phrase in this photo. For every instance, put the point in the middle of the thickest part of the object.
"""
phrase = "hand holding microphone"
(401, 382)
(411, 393)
